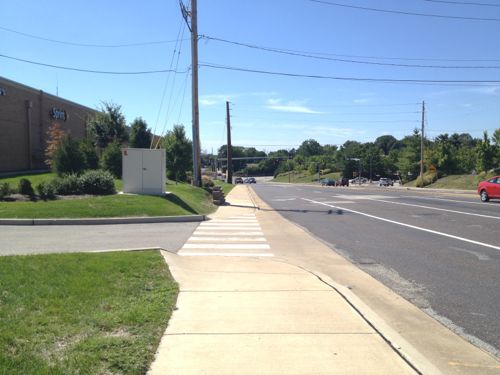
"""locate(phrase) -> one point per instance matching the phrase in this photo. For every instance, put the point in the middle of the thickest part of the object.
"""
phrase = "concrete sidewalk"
(293, 306)
(258, 315)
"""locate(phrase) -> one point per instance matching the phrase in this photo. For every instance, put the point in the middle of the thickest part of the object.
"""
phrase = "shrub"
(89, 154)
(111, 159)
(25, 187)
(67, 185)
(68, 158)
(4, 190)
(46, 190)
(97, 182)
(429, 178)
(207, 182)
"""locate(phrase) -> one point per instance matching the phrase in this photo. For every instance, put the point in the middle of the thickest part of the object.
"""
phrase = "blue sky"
(268, 111)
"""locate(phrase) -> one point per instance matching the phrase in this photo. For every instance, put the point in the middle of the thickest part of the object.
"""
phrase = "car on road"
(385, 182)
(327, 182)
(489, 189)
(250, 180)
(358, 180)
(343, 181)
(238, 180)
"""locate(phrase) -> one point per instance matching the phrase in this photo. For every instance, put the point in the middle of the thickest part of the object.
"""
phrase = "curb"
(105, 221)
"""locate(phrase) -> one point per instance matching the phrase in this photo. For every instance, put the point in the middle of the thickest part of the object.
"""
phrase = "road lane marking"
(437, 209)
(406, 225)
(193, 254)
(235, 246)
(443, 199)
(228, 233)
(226, 239)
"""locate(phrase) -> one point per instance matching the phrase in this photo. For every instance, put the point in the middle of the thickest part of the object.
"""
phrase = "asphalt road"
(441, 252)
(68, 238)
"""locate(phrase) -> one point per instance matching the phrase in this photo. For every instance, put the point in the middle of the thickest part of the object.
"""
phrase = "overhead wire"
(330, 3)
(336, 59)
(95, 45)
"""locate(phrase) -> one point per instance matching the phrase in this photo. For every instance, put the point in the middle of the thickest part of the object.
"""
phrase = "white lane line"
(227, 239)
(437, 209)
(406, 225)
(228, 224)
(442, 199)
(333, 202)
(226, 246)
(255, 229)
(192, 254)
(227, 233)
(233, 221)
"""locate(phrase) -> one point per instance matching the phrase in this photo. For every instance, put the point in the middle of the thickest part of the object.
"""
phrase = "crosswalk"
(238, 236)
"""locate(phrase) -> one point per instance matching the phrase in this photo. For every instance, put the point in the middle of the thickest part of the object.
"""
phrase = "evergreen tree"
(140, 135)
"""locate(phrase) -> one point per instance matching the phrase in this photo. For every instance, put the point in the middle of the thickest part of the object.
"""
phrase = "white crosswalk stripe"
(239, 236)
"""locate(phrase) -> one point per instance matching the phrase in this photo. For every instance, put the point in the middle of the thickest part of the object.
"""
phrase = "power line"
(404, 13)
(93, 71)
(318, 57)
(135, 44)
(359, 79)
(463, 3)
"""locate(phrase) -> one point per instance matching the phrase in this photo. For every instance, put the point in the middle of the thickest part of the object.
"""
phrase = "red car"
(489, 189)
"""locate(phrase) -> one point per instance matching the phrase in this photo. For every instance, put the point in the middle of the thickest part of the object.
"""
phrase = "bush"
(67, 185)
(4, 190)
(68, 158)
(429, 178)
(207, 182)
(89, 154)
(97, 182)
(25, 187)
(111, 159)
(46, 190)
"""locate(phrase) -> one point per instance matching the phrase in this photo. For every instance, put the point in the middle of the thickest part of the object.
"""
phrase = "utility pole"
(193, 27)
(422, 147)
(229, 171)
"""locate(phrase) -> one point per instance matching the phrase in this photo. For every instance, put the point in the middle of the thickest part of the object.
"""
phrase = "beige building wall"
(25, 117)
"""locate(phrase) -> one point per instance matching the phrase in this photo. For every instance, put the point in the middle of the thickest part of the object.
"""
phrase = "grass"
(83, 313)
(183, 200)
(226, 188)
(35, 178)
(304, 177)
(462, 182)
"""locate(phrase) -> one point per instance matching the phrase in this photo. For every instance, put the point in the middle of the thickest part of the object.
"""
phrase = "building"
(25, 117)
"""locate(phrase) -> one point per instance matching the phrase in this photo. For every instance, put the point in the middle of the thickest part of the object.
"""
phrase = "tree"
(485, 154)
(55, 136)
(108, 125)
(496, 137)
(310, 148)
(68, 158)
(179, 152)
(385, 143)
(89, 154)
(111, 159)
(140, 135)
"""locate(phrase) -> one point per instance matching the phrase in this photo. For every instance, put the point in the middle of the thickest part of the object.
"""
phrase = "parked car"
(489, 189)
(238, 180)
(250, 180)
(385, 182)
(343, 181)
(327, 182)
(358, 180)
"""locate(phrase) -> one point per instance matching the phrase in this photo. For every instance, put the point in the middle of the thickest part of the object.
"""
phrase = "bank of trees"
(386, 156)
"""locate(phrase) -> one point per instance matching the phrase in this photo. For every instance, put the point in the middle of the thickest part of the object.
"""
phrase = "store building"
(26, 114)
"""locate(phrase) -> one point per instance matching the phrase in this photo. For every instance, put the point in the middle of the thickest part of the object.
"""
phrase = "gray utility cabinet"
(144, 171)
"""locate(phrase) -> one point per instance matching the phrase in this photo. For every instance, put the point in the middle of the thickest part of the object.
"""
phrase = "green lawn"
(35, 178)
(183, 199)
(304, 177)
(462, 182)
(83, 314)
(226, 188)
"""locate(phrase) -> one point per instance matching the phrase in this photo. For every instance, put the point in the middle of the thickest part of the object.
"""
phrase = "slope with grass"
(304, 177)
(83, 313)
(460, 182)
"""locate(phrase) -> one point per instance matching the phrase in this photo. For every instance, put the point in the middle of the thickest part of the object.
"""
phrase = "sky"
(337, 47)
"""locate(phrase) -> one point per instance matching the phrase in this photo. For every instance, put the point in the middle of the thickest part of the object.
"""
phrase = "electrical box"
(144, 171)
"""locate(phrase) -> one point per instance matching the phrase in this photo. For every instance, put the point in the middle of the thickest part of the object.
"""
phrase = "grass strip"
(83, 313)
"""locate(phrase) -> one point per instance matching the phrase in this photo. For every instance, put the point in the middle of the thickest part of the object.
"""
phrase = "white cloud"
(291, 106)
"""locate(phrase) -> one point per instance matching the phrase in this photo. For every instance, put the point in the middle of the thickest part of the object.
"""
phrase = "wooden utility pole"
(193, 27)
(422, 147)
(229, 171)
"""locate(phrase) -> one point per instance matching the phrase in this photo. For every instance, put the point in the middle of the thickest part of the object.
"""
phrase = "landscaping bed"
(83, 313)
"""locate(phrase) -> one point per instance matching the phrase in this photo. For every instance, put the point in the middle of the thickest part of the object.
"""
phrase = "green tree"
(310, 147)
(179, 151)
(485, 154)
(385, 143)
(68, 158)
(140, 135)
(108, 125)
(89, 154)
(111, 159)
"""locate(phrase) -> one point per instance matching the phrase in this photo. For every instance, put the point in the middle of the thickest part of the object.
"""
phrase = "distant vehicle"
(385, 182)
(343, 181)
(250, 180)
(327, 182)
(358, 180)
(489, 189)
(238, 180)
